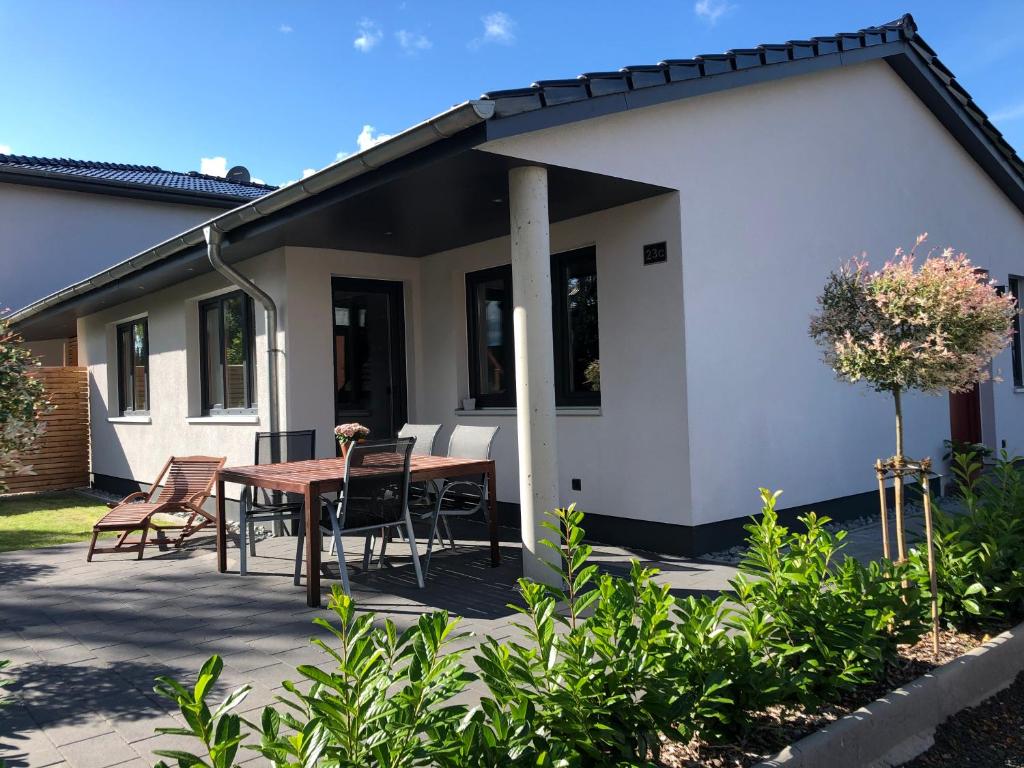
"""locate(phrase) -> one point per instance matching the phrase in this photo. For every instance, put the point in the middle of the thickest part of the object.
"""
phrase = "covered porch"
(395, 247)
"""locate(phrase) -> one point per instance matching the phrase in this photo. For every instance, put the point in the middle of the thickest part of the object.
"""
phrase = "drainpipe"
(213, 238)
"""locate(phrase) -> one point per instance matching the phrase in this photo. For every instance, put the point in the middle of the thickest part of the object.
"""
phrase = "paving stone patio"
(86, 640)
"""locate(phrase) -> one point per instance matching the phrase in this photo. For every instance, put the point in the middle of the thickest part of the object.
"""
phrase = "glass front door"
(369, 355)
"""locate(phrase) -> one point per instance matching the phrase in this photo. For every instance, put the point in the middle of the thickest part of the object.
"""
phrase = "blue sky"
(285, 86)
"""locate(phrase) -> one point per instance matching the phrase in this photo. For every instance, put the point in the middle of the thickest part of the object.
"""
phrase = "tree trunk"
(901, 544)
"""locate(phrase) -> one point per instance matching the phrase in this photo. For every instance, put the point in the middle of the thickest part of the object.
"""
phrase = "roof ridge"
(66, 162)
(636, 76)
(548, 93)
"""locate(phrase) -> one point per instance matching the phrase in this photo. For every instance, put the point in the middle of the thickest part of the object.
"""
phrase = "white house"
(64, 220)
(674, 222)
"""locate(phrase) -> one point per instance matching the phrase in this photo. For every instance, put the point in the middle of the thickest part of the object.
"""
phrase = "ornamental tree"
(22, 401)
(932, 329)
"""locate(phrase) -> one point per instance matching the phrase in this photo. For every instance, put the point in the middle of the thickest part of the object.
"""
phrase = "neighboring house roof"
(548, 103)
(148, 181)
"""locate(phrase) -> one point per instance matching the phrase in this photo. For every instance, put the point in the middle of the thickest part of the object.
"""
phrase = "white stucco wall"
(632, 455)
(138, 450)
(53, 237)
(778, 183)
(632, 462)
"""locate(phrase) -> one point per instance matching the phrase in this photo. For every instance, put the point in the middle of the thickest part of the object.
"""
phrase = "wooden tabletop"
(296, 476)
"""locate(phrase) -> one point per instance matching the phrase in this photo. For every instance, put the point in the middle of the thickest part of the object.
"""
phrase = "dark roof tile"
(140, 176)
(598, 84)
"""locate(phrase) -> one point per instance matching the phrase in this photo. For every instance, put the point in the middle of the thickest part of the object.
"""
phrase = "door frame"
(395, 291)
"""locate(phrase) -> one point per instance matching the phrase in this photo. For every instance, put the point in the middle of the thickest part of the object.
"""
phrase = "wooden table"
(313, 478)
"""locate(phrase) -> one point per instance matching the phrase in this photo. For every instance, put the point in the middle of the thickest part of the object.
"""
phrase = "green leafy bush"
(605, 666)
(834, 622)
(979, 555)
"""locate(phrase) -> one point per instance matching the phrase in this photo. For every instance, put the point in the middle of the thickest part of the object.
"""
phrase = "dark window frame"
(561, 264)
(248, 343)
(473, 279)
(122, 397)
(1014, 287)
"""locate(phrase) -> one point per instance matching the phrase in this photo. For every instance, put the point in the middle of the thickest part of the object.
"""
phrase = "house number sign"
(655, 253)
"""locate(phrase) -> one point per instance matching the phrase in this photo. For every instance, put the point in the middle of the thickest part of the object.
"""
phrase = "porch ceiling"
(431, 202)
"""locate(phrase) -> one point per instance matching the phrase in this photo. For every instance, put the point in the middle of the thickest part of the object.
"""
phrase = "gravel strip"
(990, 735)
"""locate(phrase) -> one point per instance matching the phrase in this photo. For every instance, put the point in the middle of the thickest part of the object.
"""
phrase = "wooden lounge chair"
(184, 483)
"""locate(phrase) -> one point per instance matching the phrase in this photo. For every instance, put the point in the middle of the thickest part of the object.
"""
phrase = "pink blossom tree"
(933, 329)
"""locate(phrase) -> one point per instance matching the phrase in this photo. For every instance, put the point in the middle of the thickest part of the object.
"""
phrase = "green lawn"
(28, 522)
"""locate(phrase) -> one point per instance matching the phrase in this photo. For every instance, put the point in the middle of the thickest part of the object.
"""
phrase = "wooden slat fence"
(60, 459)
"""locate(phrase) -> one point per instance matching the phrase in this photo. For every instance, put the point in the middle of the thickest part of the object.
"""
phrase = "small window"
(492, 377)
(226, 348)
(1018, 372)
(133, 367)
(574, 305)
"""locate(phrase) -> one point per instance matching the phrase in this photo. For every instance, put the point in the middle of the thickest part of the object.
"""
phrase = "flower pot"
(469, 403)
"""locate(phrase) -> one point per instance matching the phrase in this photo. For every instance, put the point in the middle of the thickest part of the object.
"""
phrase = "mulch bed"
(990, 735)
(779, 727)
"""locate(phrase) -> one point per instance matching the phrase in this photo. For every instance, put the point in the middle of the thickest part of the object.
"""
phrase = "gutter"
(214, 237)
(443, 126)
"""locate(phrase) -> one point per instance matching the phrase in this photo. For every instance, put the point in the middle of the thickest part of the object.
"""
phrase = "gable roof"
(644, 84)
(148, 181)
(547, 103)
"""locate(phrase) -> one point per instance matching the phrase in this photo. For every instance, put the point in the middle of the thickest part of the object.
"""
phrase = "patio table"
(319, 476)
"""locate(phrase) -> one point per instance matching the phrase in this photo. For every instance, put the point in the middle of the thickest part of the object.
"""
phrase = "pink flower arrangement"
(350, 433)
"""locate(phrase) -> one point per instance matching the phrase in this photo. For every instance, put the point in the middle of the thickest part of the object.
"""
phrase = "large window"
(574, 320)
(226, 348)
(133, 367)
(1018, 372)
(492, 377)
(574, 304)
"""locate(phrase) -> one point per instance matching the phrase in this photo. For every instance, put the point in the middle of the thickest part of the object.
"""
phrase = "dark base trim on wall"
(697, 540)
(646, 535)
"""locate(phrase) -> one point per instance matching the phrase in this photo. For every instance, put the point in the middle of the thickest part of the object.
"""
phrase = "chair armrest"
(461, 486)
(129, 499)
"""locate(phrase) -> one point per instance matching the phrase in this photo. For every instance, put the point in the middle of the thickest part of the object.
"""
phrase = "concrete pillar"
(535, 365)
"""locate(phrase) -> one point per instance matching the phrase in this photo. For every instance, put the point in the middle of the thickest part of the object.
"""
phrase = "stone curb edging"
(900, 725)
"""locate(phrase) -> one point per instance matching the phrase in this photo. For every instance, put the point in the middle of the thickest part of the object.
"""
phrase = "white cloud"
(711, 11)
(214, 166)
(285, 29)
(412, 42)
(364, 141)
(1007, 114)
(368, 37)
(254, 180)
(308, 172)
(5, 149)
(499, 27)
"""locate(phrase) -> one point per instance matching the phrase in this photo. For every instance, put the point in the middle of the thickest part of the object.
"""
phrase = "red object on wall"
(965, 416)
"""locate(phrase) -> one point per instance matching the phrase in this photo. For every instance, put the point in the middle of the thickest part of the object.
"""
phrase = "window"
(575, 330)
(1018, 373)
(226, 349)
(492, 377)
(574, 305)
(133, 367)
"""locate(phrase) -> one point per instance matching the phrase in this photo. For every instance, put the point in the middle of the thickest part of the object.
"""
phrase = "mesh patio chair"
(421, 495)
(258, 505)
(425, 436)
(461, 497)
(375, 498)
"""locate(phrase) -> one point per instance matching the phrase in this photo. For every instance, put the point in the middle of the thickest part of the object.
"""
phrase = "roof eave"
(90, 184)
(445, 125)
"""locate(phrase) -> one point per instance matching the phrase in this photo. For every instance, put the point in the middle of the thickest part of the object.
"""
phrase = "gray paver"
(86, 640)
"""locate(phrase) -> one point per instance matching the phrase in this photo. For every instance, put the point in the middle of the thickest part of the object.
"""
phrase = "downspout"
(214, 237)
